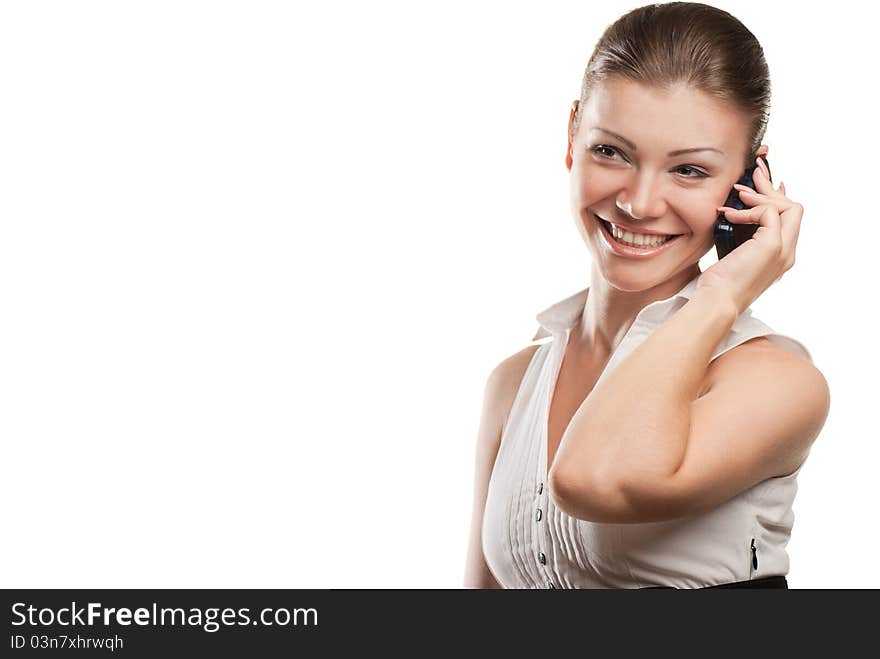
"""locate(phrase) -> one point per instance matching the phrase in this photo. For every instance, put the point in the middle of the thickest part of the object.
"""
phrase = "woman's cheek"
(700, 213)
(596, 185)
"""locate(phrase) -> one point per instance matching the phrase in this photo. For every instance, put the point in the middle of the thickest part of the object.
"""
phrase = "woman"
(655, 440)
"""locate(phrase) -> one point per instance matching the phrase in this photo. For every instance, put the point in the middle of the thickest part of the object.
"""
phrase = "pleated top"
(529, 543)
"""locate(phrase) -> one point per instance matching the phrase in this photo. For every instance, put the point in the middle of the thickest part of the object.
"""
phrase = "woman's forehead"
(636, 111)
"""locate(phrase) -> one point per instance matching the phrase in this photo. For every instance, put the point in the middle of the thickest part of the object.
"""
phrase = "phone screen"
(730, 236)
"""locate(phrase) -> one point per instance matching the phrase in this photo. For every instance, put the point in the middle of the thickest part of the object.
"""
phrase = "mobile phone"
(730, 236)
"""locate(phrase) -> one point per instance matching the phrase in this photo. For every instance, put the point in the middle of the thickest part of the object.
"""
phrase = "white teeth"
(637, 239)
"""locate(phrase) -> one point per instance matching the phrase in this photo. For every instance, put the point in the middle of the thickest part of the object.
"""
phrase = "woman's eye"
(598, 147)
(607, 152)
(698, 173)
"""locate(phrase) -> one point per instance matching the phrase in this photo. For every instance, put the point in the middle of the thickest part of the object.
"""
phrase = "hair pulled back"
(706, 48)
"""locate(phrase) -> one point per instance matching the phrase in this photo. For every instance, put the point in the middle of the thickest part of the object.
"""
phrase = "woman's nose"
(642, 198)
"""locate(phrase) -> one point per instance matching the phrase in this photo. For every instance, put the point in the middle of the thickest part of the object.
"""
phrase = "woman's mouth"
(633, 245)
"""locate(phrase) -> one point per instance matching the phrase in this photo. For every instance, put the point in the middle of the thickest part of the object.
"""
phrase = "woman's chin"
(633, 275)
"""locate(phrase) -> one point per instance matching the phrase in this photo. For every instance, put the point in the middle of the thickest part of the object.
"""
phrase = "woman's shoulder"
(760, 359)
(506, 378)
(771, 348)
(752, 342)
(762, 336)
(507, 375)
(771, 396)
(761, 354)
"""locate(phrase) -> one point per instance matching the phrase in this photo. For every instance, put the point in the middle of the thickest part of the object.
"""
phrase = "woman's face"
(631, 179)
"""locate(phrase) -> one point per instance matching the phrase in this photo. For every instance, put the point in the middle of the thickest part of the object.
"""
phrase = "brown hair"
(686, 42)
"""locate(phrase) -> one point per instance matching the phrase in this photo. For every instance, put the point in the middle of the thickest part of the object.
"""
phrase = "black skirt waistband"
(776, 581)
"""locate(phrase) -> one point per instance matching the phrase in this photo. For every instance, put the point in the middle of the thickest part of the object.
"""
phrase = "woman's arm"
(640, 448)
(634, 424)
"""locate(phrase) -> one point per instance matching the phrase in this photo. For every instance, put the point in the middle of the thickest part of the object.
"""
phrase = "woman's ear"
(762, 151)
(574, 107)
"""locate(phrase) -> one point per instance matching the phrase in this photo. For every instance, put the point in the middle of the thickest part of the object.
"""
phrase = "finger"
(788, 212)
(753, 198)
(782, 187)
(764, 168)
(764, 215)
(762, 181)
(791, 228)
(791, 242)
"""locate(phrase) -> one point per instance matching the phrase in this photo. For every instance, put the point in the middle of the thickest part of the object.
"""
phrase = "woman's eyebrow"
(677, 152)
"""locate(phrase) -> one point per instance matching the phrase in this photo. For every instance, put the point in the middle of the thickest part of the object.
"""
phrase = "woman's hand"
(759, 262)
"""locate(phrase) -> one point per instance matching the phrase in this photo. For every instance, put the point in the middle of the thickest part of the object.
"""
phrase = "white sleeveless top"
(529, 543)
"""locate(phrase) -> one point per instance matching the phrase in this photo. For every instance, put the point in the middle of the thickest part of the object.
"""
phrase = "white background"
(257, 260)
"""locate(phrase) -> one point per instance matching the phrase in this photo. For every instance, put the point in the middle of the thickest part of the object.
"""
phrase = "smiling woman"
(656, 438)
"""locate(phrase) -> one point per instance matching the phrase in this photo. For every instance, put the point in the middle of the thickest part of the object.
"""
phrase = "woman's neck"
(609, 312)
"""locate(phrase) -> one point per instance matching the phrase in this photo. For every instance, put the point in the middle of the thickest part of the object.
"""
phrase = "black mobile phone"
(730, 236)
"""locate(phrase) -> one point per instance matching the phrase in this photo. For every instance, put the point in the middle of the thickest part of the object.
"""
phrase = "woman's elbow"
(589, 499)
